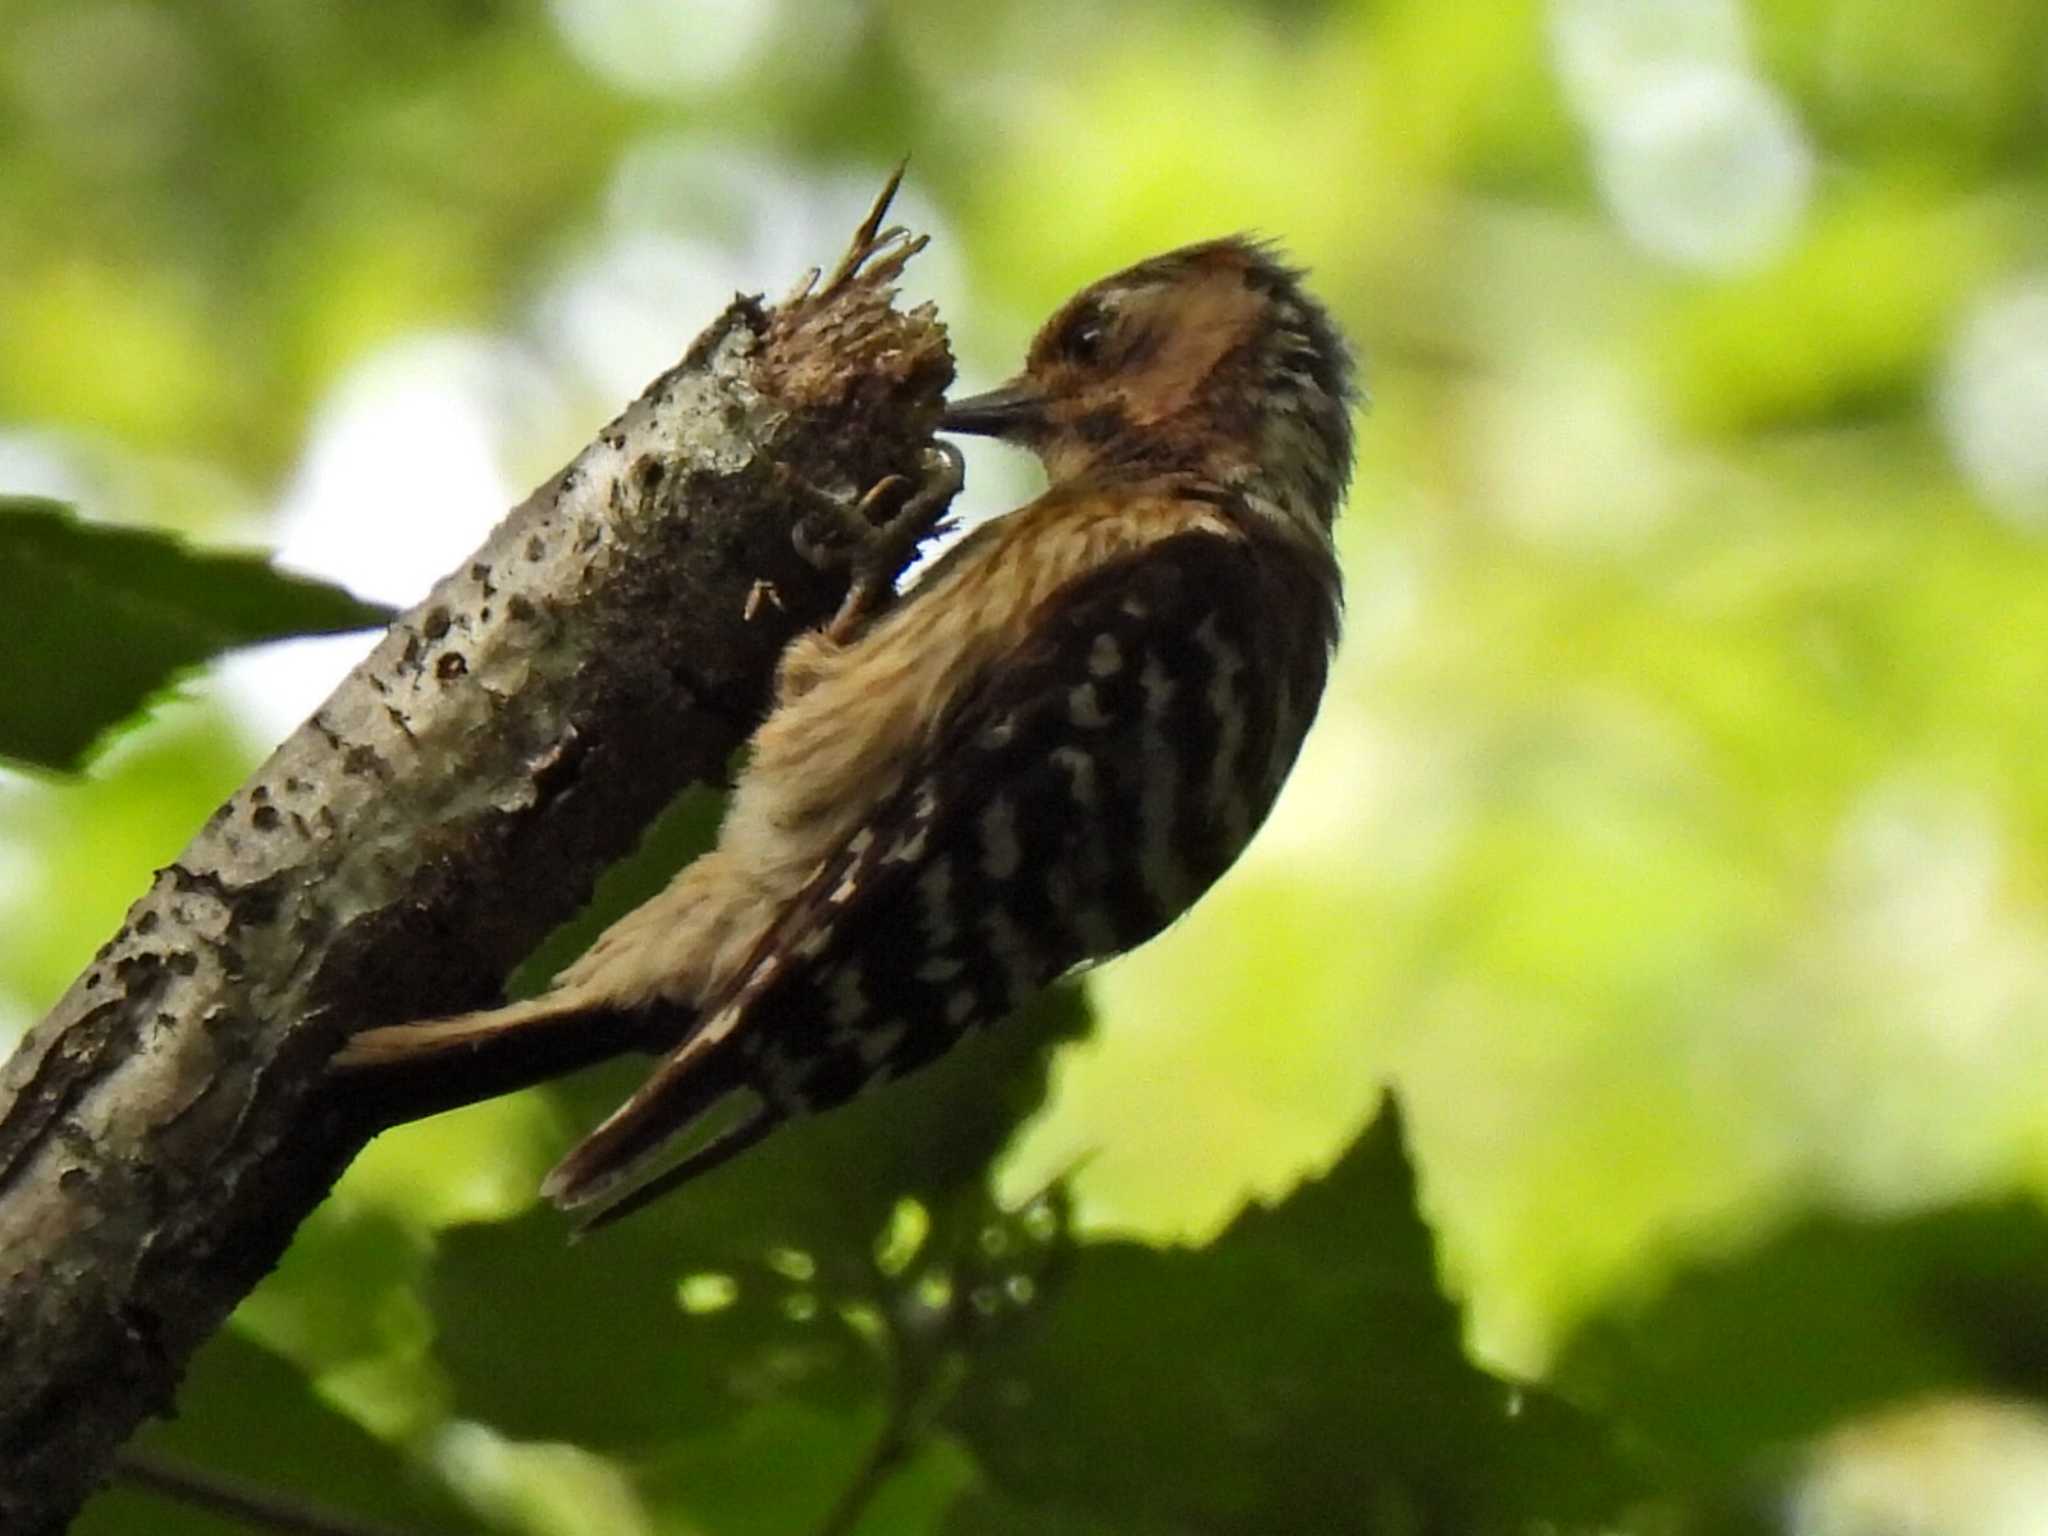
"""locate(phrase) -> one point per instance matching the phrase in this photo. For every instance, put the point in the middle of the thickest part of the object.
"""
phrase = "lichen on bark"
(169, 1123)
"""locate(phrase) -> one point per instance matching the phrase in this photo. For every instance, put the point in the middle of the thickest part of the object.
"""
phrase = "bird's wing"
(1071, 802)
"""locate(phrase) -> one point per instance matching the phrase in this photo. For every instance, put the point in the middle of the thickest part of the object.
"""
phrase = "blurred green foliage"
(265, 1431)
(1675, 833)
(1828, 1319)
(101, 618)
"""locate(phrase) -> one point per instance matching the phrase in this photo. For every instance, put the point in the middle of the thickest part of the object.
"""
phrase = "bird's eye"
(1082, 340)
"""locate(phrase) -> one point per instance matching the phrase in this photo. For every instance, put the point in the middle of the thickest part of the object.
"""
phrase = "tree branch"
(168, 1125)
(260, 1509)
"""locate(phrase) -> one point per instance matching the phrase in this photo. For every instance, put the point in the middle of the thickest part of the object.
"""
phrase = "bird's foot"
(876, 552)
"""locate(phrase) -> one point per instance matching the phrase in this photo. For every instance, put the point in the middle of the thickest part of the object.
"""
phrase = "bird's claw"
(876, 552)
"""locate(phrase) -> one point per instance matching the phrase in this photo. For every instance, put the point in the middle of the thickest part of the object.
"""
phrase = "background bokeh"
(1675, 832)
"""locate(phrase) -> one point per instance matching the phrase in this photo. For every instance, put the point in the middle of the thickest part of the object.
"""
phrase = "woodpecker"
(1038, 757)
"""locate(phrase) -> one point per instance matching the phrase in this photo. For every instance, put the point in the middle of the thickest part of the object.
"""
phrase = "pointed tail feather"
(721, 1148)
(622, 1153)
(465, 1034)
(409, 1070)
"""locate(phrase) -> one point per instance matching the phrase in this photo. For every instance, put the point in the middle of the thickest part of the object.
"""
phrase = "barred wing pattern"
(1068, 806)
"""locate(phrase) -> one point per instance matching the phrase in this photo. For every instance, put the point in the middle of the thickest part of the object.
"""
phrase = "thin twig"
(923, 1375)
(259, 1507)
(891, 1449)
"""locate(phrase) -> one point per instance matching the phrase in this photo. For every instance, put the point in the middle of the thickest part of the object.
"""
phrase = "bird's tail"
(465, 1034)
(410, 1070)
(626, 1161)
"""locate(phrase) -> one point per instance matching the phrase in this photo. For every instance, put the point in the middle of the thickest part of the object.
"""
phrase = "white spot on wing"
(961, 1005)
(1158, 687)
(848, 1000)
(1226, 662)
(1012, 949)
(1080, 902)
(910, 846)
(722, 1024)
(1000, 853)
(935, 895)
(1080, 770)
(1158, 861)
(1105, 657)
(1084, 709)
(940, 969)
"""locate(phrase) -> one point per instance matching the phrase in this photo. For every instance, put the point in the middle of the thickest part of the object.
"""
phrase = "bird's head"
(1211, 359)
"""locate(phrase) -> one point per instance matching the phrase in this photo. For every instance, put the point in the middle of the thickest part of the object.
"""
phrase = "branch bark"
(168, 1125)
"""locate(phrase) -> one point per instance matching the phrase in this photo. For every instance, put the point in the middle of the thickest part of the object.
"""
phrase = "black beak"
(1015, 410)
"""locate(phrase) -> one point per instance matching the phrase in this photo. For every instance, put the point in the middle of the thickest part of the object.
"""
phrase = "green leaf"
(780, 1466)
(984, 1512)
(246, 1415)
(99, 618)
(1739, 1361)
(344, 1295)
(594, 1342)
(1305, 1363)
